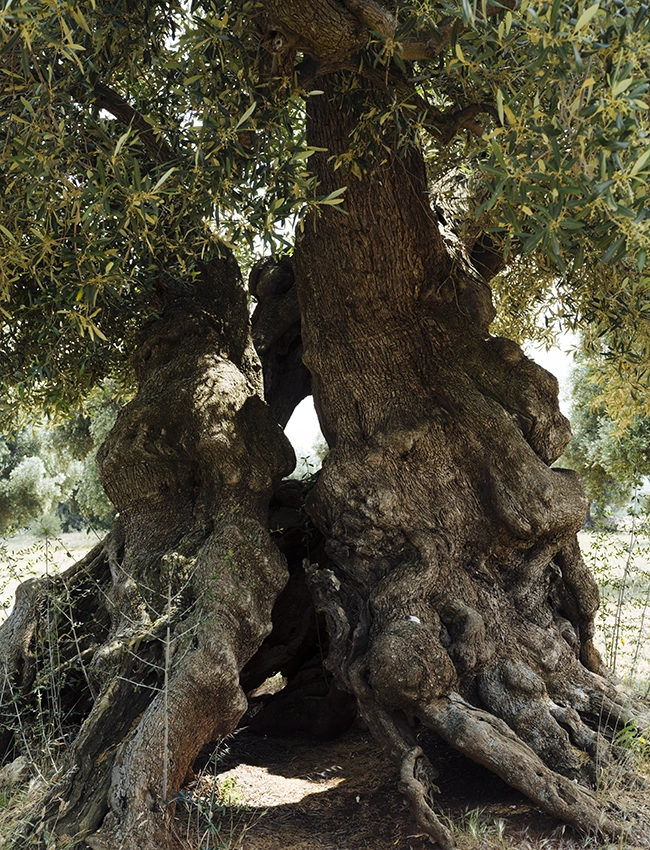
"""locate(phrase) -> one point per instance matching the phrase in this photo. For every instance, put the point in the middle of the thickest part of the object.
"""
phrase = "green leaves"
(639, 164)
(571, 150)
(135, 141)
(585, 18)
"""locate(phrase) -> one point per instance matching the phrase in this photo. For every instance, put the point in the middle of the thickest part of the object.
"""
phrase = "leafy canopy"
(139, 137)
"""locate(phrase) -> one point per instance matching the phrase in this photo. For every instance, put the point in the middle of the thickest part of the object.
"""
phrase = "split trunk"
(452, 582)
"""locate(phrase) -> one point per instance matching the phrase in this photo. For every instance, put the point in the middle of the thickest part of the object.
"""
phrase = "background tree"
(142, 142)
(82, 436)
(611, 456)
(49, 475)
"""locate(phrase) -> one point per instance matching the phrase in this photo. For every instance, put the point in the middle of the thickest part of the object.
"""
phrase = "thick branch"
(324, 29)
(276, 336)
(486, 257)
(334, 32)
(429, 48)
(372, 15)
(465, 119)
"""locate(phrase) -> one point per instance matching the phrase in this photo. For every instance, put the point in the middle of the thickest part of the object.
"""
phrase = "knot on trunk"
(408, 665)
(469, 646)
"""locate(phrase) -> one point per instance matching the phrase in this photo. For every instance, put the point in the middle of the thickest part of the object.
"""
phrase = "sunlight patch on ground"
(257, 786)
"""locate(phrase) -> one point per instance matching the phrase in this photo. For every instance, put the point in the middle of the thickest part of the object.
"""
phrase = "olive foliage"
(611, 454)
(144, 140)
(138, 137)
(48, 476)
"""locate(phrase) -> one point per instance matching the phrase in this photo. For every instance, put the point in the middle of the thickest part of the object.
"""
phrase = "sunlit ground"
(26, 556)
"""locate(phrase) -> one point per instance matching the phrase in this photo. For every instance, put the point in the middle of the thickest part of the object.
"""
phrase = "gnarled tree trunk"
(452, 582)
(458, 594)
(190, 466)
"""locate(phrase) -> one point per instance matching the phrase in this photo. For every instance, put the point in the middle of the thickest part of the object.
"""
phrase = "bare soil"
(297, 793)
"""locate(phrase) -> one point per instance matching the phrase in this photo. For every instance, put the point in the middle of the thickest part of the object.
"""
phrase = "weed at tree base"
(211, 813)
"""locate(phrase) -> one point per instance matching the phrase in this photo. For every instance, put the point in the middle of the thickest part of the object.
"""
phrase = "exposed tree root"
(489, 741)
(416, 786)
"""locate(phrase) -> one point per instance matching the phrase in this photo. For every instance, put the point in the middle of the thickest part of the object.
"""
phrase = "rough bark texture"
(190, 466)
(276, 336)
(310, 702)
(329, 31)
(458, 594)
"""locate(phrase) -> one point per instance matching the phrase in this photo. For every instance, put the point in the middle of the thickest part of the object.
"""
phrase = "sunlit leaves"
(136, 139)
(561, 174)
(566, 160)
(570, 154)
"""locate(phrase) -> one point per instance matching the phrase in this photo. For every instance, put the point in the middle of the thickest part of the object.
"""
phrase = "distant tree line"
(48, 478)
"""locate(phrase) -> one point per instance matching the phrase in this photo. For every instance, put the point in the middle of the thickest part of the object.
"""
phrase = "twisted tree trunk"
(453, 585)
(190, 466)
(458, 594)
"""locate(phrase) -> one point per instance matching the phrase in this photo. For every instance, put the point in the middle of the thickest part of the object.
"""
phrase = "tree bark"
(276, 336)
(457, 593)
(452, 583)
(190, 465)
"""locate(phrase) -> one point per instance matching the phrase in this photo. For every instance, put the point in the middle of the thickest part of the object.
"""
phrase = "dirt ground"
(301, 794)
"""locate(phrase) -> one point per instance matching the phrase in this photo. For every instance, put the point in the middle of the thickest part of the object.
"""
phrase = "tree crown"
(140, 138)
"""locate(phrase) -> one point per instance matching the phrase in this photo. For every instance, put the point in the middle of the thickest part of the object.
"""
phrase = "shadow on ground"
(297, 793)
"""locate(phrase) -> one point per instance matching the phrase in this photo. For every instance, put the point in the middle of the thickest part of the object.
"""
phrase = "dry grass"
(27, 556)
(621, 563)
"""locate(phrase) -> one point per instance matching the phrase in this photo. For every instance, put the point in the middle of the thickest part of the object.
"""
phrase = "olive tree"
(425, 156)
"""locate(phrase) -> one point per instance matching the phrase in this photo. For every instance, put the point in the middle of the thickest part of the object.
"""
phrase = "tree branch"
(373, 16)
(486, 256)
(429, 48)
(465, 119)
(444, 124)
(119, 108)
(323, 29)
(332, 33)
